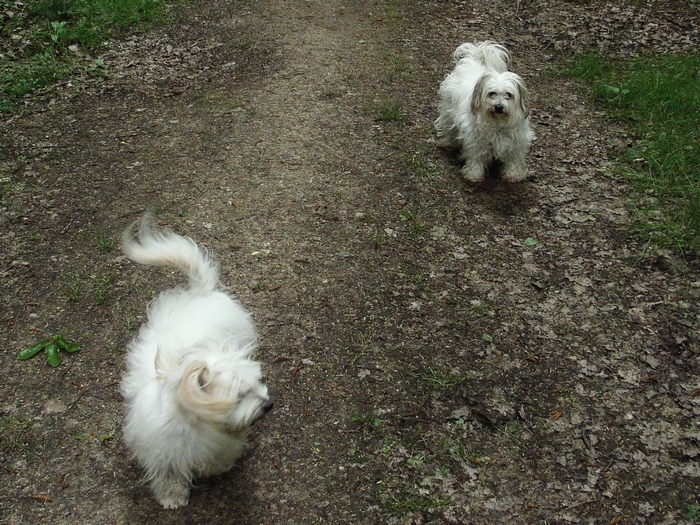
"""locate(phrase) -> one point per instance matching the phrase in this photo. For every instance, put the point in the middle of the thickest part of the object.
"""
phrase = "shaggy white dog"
(484, 111)
(191, 388)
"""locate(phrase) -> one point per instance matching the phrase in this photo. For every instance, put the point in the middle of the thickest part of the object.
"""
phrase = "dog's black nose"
(498, 108)
(267, 406)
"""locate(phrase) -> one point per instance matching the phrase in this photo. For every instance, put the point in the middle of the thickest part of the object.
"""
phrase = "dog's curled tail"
(166, 248)
(490, 54)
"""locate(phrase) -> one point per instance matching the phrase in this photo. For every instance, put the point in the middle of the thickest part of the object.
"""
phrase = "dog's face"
(223, 390)
(501, 97)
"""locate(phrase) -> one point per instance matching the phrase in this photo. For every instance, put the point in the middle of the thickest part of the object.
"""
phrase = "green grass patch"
(403, 504)
(12, 434)
(659, 98)
(41, 41)
(437, 377)
(391, 111)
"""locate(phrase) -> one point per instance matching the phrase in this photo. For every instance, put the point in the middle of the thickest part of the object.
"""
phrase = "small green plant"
(72, 286)
(417, 227)
(11, 433)
(380, 238)
(391, 112)
(614, 95)
(59, 29)
(363, 342)
(366, 218)
(130, 321)
(399, 64)
(366, 420)
(53, 349)
(693, 513)
(99, 69)
(106, 243)
(102, 284)
(416, 462)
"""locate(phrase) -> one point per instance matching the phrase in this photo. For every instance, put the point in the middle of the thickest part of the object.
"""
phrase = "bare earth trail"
(439, 352)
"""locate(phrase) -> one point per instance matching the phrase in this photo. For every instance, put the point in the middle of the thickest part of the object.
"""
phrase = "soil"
(438, 351)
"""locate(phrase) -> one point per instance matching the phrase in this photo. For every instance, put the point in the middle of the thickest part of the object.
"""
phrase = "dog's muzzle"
(267, 406)
(499, 109)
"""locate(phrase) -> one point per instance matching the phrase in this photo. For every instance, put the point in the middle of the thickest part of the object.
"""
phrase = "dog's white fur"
(191, 388)
(484, 110)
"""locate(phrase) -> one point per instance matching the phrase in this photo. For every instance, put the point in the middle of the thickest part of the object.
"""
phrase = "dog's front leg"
(474, 170)
(515, 169)
(170, 490)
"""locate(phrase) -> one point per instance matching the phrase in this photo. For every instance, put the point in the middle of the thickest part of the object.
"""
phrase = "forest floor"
(438, 351)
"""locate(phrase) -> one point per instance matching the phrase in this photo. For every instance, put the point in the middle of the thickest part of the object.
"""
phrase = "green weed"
(72, 285)
(366, 420)
(391, 112)
(363, 342)
(422, 168)
(53, 349)
(101, 285)
(380, 238)
(106, 243)
(417, 226)
(98, 69)
(11, 432)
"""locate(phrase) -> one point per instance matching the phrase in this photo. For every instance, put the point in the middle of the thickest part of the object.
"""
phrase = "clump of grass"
(438, 378)
(102, 284)
(392, 111)
(38, 39)
(659, 97)
(403, 504)
(420, 166)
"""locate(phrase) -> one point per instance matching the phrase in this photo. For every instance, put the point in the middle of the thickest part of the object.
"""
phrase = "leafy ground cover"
(438, 352)
(45, 41)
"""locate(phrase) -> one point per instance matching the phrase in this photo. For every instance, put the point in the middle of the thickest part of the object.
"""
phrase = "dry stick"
(582, 503)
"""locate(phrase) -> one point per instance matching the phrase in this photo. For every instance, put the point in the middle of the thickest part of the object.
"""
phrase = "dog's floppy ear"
(478, 93)
(523, 97)
(196, 394)
(165, 363)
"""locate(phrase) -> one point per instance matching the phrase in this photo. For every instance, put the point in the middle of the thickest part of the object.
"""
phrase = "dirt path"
(439, 352)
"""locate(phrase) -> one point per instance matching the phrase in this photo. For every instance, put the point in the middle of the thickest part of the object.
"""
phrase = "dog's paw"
(449, 144)
(514, 175)
(171, 491)
(177, 496)
(473, 173)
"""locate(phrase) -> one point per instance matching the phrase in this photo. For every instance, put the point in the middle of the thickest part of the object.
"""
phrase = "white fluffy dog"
(484, 111)
(191, 388)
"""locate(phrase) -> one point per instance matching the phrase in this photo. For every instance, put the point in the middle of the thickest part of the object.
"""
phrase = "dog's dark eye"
(508, 95)
(492, 94)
